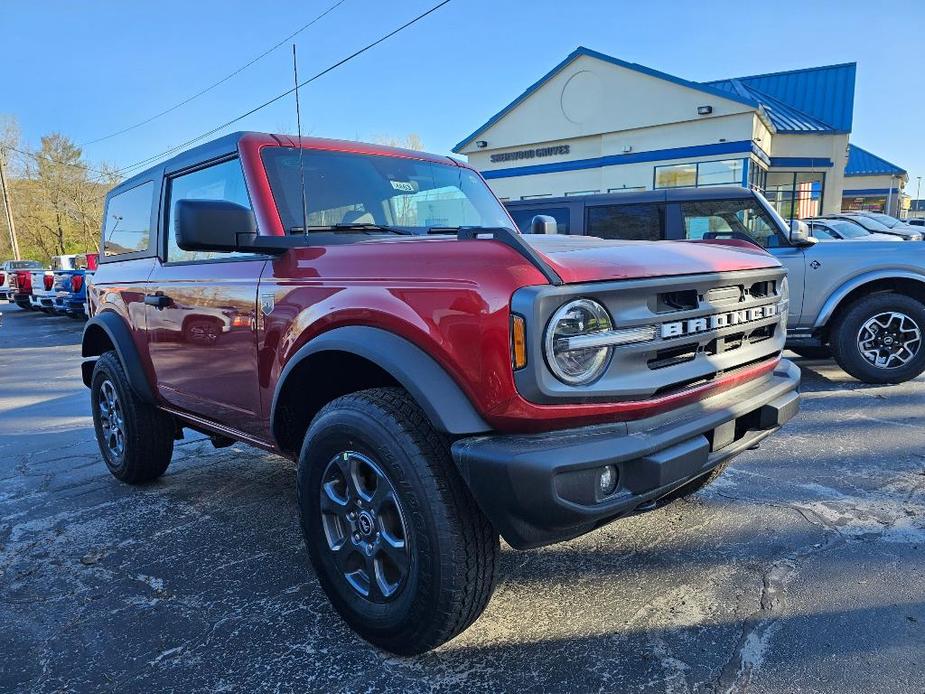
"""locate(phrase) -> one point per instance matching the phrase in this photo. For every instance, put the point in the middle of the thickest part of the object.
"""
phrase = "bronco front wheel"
(400, 547)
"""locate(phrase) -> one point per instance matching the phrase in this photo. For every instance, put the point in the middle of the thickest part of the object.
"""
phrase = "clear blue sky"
(91, 67)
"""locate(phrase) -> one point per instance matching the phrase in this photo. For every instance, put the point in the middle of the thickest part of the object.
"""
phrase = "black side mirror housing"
(213, 225)
(544, 224)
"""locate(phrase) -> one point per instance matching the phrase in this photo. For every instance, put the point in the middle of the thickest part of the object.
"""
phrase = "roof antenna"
(298, 121)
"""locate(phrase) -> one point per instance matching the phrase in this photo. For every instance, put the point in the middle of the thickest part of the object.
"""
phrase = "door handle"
(158, 300)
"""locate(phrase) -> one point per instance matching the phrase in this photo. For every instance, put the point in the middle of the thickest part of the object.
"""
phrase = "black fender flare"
(116, 329)
(443, 401)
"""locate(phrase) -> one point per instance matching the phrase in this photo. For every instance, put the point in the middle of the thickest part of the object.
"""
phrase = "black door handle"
(157, 300)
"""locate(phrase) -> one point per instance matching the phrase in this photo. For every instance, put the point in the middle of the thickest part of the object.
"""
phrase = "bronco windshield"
(357, 190)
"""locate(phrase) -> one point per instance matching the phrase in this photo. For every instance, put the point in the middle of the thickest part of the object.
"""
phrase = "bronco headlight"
(572, 352)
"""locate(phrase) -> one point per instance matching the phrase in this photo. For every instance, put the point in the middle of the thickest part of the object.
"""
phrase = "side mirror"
(544, 224)
(213, 225)
(800, 234)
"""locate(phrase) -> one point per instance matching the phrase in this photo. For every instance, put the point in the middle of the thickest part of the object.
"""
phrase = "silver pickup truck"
(862, 302)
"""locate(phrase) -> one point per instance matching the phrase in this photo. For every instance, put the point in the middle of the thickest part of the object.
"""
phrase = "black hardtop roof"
(227, 144)
(648, 196)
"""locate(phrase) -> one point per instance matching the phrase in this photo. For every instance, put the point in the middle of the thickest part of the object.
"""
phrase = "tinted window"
(730, 219)
(628, 222)
(24, 265)
(223, 181)
(869, 224)
(523, 218)
(128, 221)
(821, 233)
(848, 230)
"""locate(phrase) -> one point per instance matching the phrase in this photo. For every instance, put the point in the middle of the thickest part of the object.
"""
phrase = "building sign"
(530, 153)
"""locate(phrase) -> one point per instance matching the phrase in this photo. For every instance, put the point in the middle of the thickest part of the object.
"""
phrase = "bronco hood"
(590, 259)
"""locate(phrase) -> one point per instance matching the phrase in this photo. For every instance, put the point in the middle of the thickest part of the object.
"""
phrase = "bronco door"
(201, 310)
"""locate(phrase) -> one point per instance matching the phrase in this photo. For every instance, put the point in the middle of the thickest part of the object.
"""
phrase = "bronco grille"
(705, 326)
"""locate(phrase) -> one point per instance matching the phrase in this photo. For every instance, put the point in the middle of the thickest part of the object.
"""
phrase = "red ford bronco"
(439, 377)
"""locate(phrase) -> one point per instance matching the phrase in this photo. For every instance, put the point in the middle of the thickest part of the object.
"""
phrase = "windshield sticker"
(404, 186)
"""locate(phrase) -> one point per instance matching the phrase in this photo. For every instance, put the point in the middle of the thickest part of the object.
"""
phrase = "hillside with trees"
(56, 196)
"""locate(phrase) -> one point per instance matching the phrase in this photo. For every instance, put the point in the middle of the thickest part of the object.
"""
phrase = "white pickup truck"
(6, 271)
(43, 283)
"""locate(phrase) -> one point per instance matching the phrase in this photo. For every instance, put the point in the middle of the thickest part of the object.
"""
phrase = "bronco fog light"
(607, 481)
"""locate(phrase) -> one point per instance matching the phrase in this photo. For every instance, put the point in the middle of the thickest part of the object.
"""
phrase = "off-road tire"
(695, 485)
(844, 338)
(453, 547)
(813, 352)
(147, 432)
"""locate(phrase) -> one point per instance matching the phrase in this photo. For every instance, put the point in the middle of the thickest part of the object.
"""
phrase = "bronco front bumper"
(542, 488)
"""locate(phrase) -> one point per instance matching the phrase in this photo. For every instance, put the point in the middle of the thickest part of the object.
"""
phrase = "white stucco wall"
(590, 96)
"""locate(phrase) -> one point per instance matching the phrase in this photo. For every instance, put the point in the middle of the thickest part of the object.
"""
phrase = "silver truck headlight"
(572, 352)
(783, 306)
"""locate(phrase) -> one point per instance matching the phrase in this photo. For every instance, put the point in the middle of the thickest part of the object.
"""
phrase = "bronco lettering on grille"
(717, 321)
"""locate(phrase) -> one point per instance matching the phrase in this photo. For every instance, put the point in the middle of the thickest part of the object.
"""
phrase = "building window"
(627, 222)
(705, 173)
(523, 218)
(757, 177)
(582, 192)
(864, 203)
(534, 197)
(676, 176)
(795, 195)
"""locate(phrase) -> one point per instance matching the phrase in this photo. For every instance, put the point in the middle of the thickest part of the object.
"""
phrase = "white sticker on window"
(404, 186)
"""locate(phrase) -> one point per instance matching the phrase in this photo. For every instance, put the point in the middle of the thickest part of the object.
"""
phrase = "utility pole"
(14, 244)
(918, 192)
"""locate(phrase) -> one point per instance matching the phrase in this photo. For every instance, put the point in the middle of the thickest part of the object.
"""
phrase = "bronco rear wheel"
(400, 548)
(135, 438)
(881, 338)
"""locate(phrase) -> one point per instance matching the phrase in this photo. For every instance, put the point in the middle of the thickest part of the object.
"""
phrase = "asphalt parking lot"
(801, 569)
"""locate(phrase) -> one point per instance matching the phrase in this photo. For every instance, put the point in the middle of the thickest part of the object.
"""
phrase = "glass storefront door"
(795, 195)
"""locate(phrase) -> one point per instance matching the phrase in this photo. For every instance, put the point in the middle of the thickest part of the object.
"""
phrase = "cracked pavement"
(802, 569)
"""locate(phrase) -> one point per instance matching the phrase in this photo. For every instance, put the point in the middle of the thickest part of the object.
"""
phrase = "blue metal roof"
(580, 51)
(784, 117)
(824, 94)
(863, 163)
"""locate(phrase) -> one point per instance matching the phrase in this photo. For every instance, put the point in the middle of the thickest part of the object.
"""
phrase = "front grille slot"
(673, 356)
(762, 290)
(683, 300)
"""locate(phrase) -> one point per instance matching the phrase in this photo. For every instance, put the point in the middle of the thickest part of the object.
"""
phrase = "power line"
(216, 84)
(276, 98)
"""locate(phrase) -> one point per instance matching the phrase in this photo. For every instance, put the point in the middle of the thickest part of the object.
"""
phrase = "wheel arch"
(352, 358)
(108, 331)
(900, 281)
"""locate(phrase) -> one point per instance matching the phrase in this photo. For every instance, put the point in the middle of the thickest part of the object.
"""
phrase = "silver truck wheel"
(889, 340)
(879, 338)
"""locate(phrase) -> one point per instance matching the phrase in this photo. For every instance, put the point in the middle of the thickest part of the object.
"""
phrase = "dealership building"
(598, 124)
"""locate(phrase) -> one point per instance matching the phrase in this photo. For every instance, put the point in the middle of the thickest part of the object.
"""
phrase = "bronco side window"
(223, 181)
(127, 227)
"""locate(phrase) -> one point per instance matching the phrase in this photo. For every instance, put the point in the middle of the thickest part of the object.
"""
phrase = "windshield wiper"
(346, 227)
